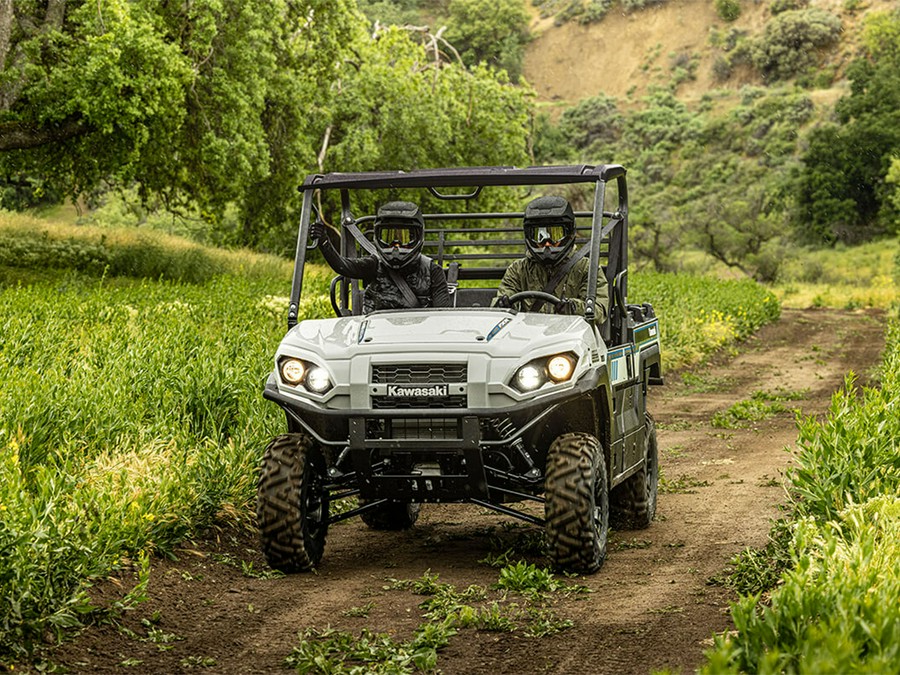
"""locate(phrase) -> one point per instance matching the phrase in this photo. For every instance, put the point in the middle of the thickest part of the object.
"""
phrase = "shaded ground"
(651, 606)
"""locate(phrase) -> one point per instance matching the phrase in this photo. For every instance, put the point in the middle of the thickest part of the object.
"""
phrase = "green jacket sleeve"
(574, 286)
(513, 281)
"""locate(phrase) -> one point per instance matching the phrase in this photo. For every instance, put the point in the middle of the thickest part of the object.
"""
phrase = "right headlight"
(299, 373)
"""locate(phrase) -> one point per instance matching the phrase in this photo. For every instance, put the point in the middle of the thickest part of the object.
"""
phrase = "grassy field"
(131, 414)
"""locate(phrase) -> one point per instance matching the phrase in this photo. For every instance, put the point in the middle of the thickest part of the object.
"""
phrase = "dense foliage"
(791, 40)
(843, 193)
(718, 182)
(219, 102)
(490, 31)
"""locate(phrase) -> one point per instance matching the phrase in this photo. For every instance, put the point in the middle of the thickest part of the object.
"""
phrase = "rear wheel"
(292, 503)
(391, 515)
(577, 503)
(634, 501)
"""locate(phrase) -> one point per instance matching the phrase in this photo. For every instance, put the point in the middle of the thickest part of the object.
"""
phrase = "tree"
(492, 31)
(227, 104)
(842, 194)
(189, 99)
(397, 107)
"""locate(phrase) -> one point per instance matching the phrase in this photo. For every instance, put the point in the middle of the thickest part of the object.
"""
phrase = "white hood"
(494, 331)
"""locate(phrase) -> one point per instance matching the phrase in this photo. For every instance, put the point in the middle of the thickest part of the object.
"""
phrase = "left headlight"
(556, 368)
(299, 373)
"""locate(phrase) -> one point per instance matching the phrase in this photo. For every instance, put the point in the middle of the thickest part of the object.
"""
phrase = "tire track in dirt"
(651, 606)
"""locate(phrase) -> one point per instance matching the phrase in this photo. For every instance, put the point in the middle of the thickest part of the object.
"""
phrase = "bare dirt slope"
(628, 52)
(651, 605)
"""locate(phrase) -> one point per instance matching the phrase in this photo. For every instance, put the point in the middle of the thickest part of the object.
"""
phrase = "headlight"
(292, 371)
(560, 368)
(298, 373)
(554, 369)
(317, 380)
(529, 378)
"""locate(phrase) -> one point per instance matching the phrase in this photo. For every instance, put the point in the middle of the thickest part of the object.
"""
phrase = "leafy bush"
(728, 10)
(490, 31)
(636, 5)
(591, 121)
(791, 40)
(595, 10)
(779, 6)
(721, 68)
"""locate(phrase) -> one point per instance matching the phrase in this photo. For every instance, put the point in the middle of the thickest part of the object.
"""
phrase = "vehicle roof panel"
(464, 177)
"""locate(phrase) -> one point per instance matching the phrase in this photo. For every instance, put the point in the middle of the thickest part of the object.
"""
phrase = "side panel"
(632, 368)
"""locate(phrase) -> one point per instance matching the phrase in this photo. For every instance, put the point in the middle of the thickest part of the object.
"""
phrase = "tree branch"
(56, 13)
(18, 136)
(6, 21)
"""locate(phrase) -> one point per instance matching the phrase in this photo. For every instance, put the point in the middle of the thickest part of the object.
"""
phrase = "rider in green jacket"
(549, 226)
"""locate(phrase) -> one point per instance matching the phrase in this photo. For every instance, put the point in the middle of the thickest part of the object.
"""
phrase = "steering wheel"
(518, 298)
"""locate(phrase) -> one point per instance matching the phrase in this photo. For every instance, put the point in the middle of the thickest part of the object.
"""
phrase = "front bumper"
(342, 428)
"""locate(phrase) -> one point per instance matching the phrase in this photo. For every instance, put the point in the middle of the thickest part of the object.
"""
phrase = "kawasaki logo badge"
(398, 390)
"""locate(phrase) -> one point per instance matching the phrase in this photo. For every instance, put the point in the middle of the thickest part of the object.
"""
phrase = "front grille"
(419, 373)
(417, 402)
(425, 428)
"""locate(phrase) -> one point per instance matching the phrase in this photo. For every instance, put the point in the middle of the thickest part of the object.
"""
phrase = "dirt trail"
(651, 605)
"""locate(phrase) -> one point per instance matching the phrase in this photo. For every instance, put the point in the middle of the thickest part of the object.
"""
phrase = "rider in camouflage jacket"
(549, 226)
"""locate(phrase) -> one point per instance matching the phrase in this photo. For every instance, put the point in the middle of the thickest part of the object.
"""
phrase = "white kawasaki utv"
(470, 403)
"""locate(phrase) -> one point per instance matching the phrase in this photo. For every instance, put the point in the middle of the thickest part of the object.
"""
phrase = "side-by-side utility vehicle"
(538, 416)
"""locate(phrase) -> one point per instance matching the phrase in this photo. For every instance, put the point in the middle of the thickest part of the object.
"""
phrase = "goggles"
(403, 236)
(547, 235)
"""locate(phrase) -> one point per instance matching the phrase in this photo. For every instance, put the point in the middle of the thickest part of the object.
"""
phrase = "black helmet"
(399, 233)
(549, 229)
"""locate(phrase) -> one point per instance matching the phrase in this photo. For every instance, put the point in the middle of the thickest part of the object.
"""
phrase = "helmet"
(399, 233)
(549, 229)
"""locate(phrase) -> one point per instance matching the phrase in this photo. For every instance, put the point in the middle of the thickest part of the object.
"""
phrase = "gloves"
(502, 302)
(565, 306)
(317, 231)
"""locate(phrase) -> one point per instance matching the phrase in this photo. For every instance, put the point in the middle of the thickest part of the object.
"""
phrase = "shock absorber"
(505, 428)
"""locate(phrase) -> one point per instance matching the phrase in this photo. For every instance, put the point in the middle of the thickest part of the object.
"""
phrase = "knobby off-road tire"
(391, 516)
(634, 501)
(292, 503)
(577, 503)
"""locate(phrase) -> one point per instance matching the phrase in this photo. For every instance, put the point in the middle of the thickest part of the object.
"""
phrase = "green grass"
(30, 247)
(761, 405)
(842, 277)
(699, 315)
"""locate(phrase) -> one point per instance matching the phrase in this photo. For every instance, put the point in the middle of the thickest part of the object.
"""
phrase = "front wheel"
(292, 503)
(577, 503)
(634, 501)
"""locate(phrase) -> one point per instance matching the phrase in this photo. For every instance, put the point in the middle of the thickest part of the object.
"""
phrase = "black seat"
(475, 297)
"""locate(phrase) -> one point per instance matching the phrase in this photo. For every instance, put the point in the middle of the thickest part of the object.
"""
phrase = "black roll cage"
(607, 235)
